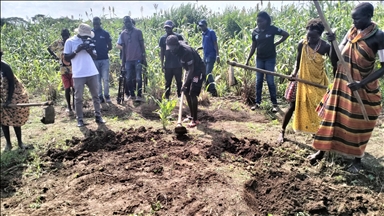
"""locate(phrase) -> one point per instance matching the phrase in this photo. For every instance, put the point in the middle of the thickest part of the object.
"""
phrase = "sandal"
(315, 158)
(355, 168)
(193, 124)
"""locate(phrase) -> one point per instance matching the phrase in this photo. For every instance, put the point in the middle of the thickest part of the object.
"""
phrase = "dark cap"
(203, 22)
(169, 24)
(172, 40)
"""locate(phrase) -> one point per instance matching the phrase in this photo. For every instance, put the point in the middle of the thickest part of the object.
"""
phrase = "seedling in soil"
(165, 109)
(156, 207)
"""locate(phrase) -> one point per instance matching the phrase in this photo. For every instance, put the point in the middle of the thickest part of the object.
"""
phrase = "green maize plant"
(165, 109)
(25, 42)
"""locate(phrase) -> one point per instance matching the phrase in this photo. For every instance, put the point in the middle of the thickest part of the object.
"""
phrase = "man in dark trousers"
(132, 42)
(103, 44)
(211, 54)
(171, 67)
(195, 73)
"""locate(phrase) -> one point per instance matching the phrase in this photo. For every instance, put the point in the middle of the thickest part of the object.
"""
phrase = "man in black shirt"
(195, 73)
(171, 67)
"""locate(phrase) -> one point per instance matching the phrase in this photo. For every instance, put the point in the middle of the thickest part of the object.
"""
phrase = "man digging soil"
(195, 69)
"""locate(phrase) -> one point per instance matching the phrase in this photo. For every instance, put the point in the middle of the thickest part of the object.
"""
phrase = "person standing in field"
(120, 47)
(171, 66)
(133, 51)
(56, 50)
(103, 44)
(195, 73)
(211, 54)
(343, 128)
(263, 38)
(310, 66)
(12, 92)
(84, 71)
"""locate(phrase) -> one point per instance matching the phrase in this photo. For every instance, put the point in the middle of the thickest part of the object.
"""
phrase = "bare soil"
(209, 171)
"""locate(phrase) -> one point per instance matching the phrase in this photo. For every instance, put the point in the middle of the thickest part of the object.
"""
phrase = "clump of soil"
(251, 149)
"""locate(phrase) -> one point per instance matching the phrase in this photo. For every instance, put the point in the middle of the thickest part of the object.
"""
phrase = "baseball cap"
(172, 40)
(169, 24)
(202, 22)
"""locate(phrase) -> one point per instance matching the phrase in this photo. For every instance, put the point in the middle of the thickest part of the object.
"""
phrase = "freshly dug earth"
(149, 171)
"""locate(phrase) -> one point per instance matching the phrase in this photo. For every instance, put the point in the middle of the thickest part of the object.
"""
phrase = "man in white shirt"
(80, 50)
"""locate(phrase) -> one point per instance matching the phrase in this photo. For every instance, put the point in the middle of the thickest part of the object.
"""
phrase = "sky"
(77, 9)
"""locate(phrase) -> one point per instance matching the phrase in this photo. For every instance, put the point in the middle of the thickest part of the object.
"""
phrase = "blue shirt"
(102, 38)
(209, 37)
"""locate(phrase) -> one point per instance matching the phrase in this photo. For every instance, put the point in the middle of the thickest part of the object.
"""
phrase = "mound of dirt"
(147, 171)
(97, 140)
(274, 190)
(251, 149)
(283, 192)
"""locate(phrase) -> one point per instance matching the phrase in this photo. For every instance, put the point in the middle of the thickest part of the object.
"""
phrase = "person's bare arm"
(284, 36)
(92, 53)
(298, 59)
(217, 51)
(109, 45)
(328, 52)
(143, 49)
(8, 74)
(142, 46)
(162, 54)
(69, 56)
(52, 53)
(376, 74)
(253, 48)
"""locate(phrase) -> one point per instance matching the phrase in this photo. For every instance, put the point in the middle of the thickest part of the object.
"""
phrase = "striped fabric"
(343, 128)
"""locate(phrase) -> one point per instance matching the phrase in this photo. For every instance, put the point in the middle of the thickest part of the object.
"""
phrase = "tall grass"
(25, 42)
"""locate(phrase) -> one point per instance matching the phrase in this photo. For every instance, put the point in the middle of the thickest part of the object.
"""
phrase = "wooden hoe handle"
(341, 59)
(274, 74)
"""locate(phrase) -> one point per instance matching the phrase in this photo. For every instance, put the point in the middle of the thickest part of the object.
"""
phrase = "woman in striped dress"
(343, 128)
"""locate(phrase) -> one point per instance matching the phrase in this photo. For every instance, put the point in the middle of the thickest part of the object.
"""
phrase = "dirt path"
(229, 165)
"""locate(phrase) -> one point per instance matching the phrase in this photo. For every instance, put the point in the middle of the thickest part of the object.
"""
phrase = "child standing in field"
(56, 50)
(263, 38)
(310, 66)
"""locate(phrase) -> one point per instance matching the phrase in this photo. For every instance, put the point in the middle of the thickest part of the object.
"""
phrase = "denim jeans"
(210, 81)
(133, 77)
(266, 64)
(103, 68)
